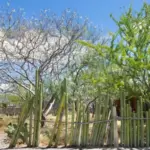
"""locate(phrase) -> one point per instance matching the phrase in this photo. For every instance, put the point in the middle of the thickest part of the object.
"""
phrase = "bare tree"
(47, 43)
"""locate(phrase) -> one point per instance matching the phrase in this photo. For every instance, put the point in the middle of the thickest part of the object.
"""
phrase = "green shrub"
(24, 134)
(4, 105)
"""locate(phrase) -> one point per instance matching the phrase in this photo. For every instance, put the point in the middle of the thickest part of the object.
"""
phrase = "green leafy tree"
(128, 54)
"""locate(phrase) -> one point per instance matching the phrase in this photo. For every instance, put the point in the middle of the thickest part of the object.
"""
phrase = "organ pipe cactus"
(32, 101)
(66, 120)
(55, 133)
(37, 109)
(29, 95)
(22, 117)
(72, 124)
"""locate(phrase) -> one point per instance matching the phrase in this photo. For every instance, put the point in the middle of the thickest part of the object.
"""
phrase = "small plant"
(4, 105)
(24, 134)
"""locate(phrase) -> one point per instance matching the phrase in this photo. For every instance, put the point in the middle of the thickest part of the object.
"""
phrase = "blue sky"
(97, 11)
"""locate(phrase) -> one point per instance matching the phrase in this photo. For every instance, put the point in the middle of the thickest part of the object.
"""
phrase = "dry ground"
(44, 139)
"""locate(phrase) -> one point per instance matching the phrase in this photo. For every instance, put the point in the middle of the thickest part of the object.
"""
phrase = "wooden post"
(115, 128)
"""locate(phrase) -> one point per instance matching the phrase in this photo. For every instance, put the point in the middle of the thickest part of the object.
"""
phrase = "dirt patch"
(4, 142)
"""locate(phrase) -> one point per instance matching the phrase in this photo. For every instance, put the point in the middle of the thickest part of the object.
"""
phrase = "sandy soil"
(82, 149)
(3, 140)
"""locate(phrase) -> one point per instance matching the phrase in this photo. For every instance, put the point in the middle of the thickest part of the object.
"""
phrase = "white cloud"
(4, 86)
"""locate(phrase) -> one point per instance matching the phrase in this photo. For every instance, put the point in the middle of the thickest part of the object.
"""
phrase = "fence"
(10, 110)
(100, 131)
(104, 133)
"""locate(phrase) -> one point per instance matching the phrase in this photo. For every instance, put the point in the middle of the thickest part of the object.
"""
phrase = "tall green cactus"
(99, 129)
(83, 128)
(142, 123)
(55, 133)
(78, 126)
(134, 130)
(27, 106)
(72, 125)
(138, 123)
(122, 105)
(38, 109)
(95, 126)
(66, 120)
(30, 118)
